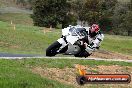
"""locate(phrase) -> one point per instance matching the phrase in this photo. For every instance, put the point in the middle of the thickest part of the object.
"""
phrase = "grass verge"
(121, 44)
(25, 39)
(13, 74)
(16, 18)
(18, 74)
(61, 63)
(32, 40)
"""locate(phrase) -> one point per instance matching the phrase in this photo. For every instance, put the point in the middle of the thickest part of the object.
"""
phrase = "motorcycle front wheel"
(52, 49)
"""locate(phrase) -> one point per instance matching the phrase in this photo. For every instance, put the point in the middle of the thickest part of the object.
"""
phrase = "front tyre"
(52, 49)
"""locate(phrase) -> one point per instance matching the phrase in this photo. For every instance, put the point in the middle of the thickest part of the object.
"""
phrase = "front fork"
(63, 42)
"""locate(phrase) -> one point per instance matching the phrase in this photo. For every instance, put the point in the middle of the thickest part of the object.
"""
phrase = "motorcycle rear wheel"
(83, 53)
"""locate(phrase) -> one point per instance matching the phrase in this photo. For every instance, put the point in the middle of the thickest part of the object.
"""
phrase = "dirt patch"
(114, 69)
(110, 55)
(3, 43)
(129, 50)
(9, 45)
(14, 46)
(45, 30)
(68, 75)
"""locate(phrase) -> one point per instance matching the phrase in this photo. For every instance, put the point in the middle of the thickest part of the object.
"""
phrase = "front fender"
(62, 41)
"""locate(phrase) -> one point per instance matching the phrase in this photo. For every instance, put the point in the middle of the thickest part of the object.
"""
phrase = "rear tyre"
(52, 49)
(83, 53)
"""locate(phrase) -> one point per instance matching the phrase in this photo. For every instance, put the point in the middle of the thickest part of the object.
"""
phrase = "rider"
(94, 40)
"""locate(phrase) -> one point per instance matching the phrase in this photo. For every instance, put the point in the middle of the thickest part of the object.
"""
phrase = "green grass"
(25, 39)
(62, 63)
(31, 40)
(16, 18)
(4, 3)
(15, 74)
(18, 74)
(121, 44)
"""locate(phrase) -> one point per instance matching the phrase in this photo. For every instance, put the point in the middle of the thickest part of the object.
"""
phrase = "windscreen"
(78, 31)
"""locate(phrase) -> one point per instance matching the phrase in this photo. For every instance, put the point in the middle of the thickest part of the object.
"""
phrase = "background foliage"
(113, 16)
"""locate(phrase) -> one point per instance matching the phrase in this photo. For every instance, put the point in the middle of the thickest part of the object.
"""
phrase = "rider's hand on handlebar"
(85, 44)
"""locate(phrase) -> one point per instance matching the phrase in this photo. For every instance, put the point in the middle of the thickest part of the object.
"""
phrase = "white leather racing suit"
(94, 41)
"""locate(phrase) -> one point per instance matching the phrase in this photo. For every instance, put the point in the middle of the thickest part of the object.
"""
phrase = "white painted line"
(67, 58)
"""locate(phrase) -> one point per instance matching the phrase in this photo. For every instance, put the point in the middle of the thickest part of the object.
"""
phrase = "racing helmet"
(94, 28)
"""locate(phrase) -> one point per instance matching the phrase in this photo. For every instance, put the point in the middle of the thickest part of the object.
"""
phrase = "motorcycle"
(71, 42)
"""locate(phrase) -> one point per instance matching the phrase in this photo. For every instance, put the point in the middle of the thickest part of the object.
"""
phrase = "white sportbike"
(71, 42)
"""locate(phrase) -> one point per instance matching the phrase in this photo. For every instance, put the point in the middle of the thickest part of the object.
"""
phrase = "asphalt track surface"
(16, 55)
(28, 56)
